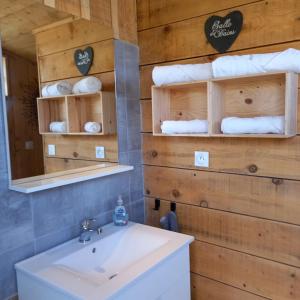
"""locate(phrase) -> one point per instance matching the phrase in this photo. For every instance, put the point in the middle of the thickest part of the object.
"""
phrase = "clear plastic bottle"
(120, 216)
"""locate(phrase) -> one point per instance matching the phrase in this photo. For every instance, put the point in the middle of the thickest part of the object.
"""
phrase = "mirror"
(49, 133)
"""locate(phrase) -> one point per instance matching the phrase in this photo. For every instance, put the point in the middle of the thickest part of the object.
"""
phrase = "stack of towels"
(230, 65)
(89, 84)
(61, 127)
(184, 127)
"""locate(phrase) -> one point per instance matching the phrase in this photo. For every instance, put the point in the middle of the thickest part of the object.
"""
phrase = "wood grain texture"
(61, 164)
(74, 34)
(152, 13)
(146, 116)
(208, 289)
(186, 39)
(269, 198)
(263, 238)
(61, 65)
(77, 147)
(256, 275)
(272, 157)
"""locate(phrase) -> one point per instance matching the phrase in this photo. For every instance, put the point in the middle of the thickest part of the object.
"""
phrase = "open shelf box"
(76, 110)
(185, 101)
(267, 94)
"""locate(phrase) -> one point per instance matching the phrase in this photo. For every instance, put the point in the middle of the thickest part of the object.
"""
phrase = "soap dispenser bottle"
(120, 216)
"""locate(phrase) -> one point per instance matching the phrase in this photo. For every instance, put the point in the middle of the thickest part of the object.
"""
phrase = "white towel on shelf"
(58, 126)
(256, 125)
(57, 89)
(237, 65)
(181, 73)
(89, 84)
(177, 127)
(92, 127)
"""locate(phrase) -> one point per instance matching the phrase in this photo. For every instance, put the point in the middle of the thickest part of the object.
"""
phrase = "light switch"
(51, 149)
(100, 152)
(201, 159)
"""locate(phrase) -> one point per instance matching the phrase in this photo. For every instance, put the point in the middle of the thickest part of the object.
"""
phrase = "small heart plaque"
(84, 59)
(221, 32)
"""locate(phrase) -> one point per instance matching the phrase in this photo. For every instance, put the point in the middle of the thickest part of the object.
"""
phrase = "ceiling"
(17, 20)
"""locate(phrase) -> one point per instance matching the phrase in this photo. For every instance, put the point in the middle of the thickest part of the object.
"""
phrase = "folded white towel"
(58, 127)
(257, 125)
(181, 73)
(236, 65)
(89, 84)
(193, 126)
(57, 89)
(92, 127)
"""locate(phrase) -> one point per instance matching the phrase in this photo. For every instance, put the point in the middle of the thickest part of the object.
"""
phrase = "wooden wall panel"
(256, 236)
(247, 272)
(268, 198)
(57, 164)
(56, 46)
(273, 158)
(61, 65)
(186, 38)
(74, 34)
(232, 212)
(82, 148)
(206, 289)
(152, 13)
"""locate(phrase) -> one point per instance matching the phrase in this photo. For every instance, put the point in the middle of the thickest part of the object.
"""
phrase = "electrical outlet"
(29, 145)
(100, 152)
(51, 149)
(201, 159)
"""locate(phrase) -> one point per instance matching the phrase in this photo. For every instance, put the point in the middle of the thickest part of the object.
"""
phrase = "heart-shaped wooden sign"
(221, 32)
(84, 59)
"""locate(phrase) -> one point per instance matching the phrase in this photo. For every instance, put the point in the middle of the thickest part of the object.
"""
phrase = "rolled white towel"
(57, 89)
(89, 84)
(237, 65)
(181, 73)
(92, 127)
(58, 127)
(256, 125)
(177, 127)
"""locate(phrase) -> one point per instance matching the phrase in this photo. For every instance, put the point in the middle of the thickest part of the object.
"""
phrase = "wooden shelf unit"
(76, 110)
(256, 95)
(186, 101)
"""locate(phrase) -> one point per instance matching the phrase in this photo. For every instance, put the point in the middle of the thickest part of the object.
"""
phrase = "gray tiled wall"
(33, 223)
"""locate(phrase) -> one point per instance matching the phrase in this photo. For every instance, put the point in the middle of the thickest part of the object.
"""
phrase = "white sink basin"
(119, 264)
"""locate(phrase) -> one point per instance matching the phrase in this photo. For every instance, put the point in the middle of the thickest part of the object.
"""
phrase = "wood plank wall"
(22, 81)
(246, 225)
(55, 52)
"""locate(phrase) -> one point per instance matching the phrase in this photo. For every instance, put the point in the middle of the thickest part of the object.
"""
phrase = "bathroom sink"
(121, 263)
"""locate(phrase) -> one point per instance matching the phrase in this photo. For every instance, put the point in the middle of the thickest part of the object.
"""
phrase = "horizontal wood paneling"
(74, 34)
(208, 289)
(257, 275)
(153, 13)
(255, 196)
(186, 39)
(61, 65)
(273, 157)
(77, 147)
(263, 238)
(146, 116)
(61, 164)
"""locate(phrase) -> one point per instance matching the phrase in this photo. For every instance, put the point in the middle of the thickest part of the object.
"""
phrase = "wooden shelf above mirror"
(76, 110)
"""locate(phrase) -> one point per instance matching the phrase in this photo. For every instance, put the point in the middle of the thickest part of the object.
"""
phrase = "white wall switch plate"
(100, 152)
(201, 159)
(51, 149)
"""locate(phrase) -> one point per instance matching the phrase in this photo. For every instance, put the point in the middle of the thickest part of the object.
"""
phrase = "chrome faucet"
(87, 229)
